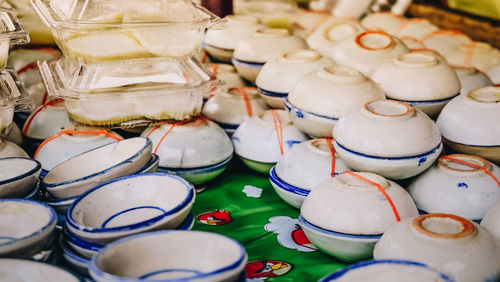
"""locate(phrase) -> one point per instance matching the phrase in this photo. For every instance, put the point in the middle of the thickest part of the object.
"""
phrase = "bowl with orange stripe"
(305, 166)
(80, 173)
(197, 150)
(225, 73)
(346, 216)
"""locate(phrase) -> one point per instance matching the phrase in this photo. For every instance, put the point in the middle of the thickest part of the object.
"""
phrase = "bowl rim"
(45, 264)
(403, 158)
(50, 223)
(30, 172)
(93, 269)
(196, 170)
(289, 106)
(33, 194)
(103, 230)
(306, 225)
(90, 176)
(275, 179)
(339, 273)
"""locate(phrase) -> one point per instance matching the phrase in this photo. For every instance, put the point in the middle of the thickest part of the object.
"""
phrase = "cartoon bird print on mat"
(264, 269)
(290, 235)
(218, 217)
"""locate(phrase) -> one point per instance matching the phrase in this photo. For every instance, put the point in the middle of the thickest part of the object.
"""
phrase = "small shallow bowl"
(421, 79)
(257, 142)
(491, 222)
(387, 270)
(304, 167)
(455, 188)
(46, 120)
(144, 255)
(60, 205)
(279, 75)
(82, 172)
(75, 261)
(151, 166)
(26, 227)
(18, 177)
(130, 205)
(442, 41)
(479, 55)
(418, 28)
(345, 216)
(11, 150)
(198, 149)
(468, 123)
(494, 74)
(253, 52)
(389, 138)
(69, 143)
(320, 98)
(34, 195)
(230, 108)
(227, 74)
(443, 241)
(27, 270)
(387, 22)
(471, 78)
(331, 32)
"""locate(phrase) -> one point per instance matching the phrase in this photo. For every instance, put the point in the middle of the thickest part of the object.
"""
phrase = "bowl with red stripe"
(346, 216)
(197, 150)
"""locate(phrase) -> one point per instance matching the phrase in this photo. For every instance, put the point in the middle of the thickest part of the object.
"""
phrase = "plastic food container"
(11, 32)
(13, 97)
(131, 93)
(98, 31)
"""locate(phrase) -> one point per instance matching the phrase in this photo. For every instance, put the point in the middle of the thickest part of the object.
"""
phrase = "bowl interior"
(25, 270)
(96, 160)
(191, 254)
(130, 200)
(20, 219)
(14, 167)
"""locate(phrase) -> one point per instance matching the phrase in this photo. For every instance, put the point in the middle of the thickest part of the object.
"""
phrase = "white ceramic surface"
(320, 98)
(68, 145)
(453, 245)
(389, 138)
(9, 150)
(226, 73)
(442, 41)
(230, 108)
(279, 75)
(491, 222)
(251, 54)
(189, 252)
(130, 205)
(451, 187)
(330, 33)
(494, 73)
(18, 176)
(421, 79)
(84, 171)
(27, 270)
(415, 27)
(25, 227)
(47, 120)
(13, 134)
(258, 139)
(368, 50)
(479, 55)
(387, 22)
(471, 78)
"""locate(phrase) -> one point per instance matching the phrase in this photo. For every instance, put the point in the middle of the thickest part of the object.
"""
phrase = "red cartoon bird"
(266, 268)
(299, 237)
(218, 217)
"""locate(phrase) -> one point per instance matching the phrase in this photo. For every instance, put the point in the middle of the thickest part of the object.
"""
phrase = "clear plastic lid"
(13, 93)
(72, 78)
(83, 15)
(12, 29)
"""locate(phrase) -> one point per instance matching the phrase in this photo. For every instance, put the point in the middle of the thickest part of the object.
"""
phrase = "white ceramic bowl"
(320, 98)
(442, 41)
(220, 43)
(387, 270)
(453, 245)
(491, 222)
(60, 205)
(479, 55)
(227, 74)
(69, 143)
(418, 28)
(257, 140)
(421, 79)
(84, 171)
(455, 188)
(330, 33)
(28, 270)
(75, 261)
(25, 227)
(230, 108)
(367, 51)
(468, 123)
(11, 150)
(144, 257)
(191, 146)
(387, 22)
(389, 138)
(345, 216)
(279, 75)
(302, 168)
(18, 176)
(130, 205)
(412, 43)
(47, 120)
(13, 134)
(494, 74)
(471, 78)
(254, 51)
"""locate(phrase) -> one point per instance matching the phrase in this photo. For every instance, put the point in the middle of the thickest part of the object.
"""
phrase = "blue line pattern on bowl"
(274, 178)
(195, 272)
(247, 64)
(391, 158)
(301, 113)
(425, 101)
(311, 226)
(26, 174)
(129, 210)
(196, 170)
(272, 93)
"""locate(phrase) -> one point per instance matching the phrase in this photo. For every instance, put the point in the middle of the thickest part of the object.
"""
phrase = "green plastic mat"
(265, 225)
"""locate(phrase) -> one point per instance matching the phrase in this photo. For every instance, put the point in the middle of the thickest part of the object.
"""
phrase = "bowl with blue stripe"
(25, 227)
(80, 173)
(388, 270)
(28, 270)
(130, 205)
(18, 177)
(151, 166)
(193, 255)
(77, 262)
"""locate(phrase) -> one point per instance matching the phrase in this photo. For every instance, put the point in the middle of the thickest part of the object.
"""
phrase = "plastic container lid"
(12, 29)
(13, 93)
